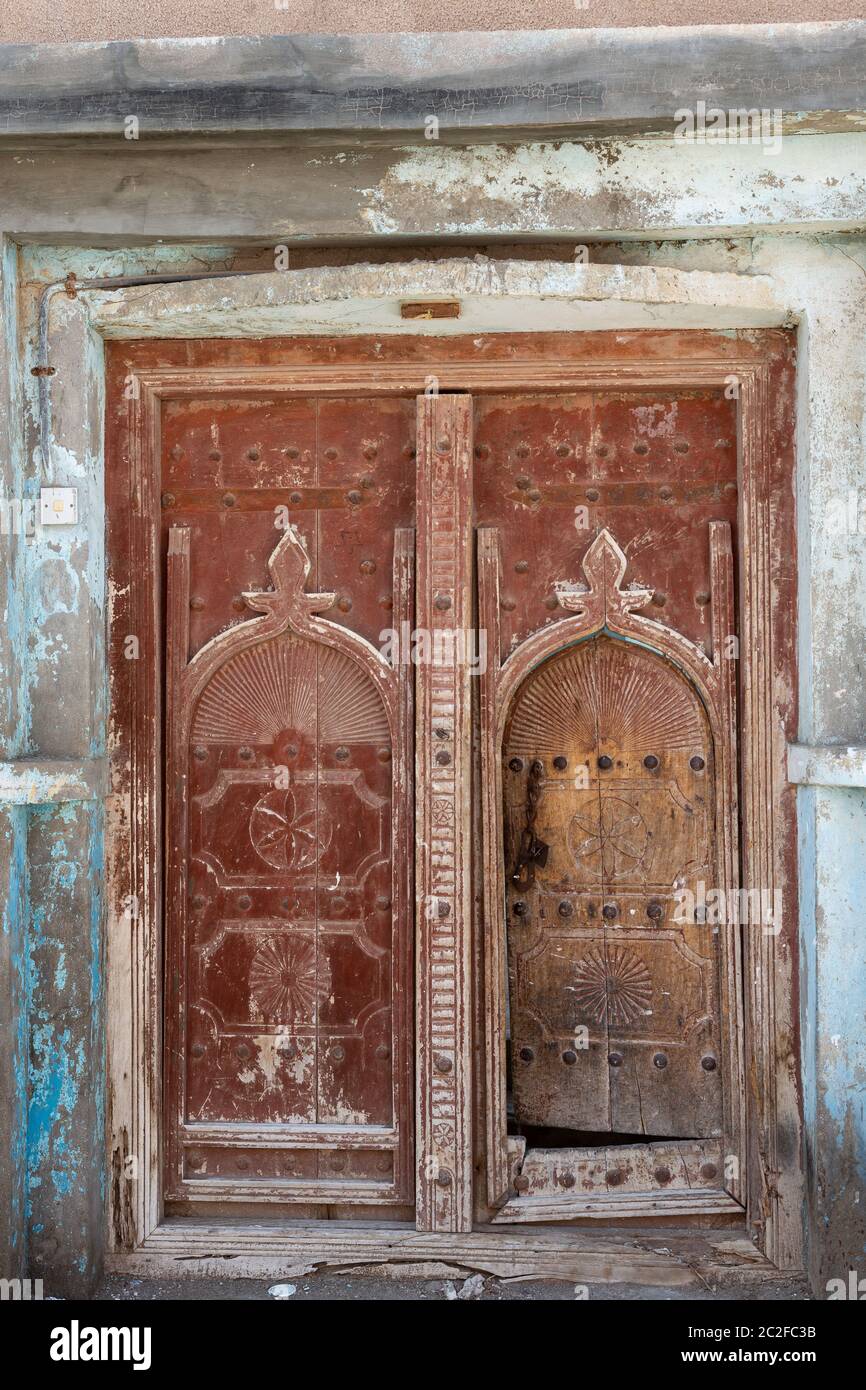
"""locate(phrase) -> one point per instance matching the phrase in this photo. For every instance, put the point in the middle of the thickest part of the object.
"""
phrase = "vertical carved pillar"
(443, 743)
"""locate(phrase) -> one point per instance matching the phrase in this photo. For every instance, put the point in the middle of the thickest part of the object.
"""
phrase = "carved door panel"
(288, 740)
(608, 791)
(609, 823)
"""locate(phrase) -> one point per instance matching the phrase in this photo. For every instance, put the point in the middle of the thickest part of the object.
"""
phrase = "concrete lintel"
(494, 297)
(827, 766)
(44, 781)
(283, 192)
(597, 81)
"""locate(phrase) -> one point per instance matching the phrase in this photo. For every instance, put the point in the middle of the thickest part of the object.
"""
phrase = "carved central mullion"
(443, 734)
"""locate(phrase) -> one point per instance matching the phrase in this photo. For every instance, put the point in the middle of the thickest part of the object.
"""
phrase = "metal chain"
(532, 851)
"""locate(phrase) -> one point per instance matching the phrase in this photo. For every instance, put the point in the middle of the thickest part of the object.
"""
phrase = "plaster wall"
(738, 243)
(38, 21)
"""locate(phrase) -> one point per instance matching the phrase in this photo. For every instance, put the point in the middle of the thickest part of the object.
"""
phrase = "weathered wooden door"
(289, 919)
(609, 825)
(609, 788)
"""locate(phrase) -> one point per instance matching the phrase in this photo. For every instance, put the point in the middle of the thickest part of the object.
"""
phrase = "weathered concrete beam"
(829, 766)
(139, 192)
(595, 81)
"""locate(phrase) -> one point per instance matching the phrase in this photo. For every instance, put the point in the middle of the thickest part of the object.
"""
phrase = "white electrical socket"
(58, 506)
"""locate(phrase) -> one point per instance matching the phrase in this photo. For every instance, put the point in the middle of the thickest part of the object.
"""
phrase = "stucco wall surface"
(61, 21)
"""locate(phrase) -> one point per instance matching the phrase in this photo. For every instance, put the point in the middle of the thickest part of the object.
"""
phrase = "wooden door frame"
(667, 360)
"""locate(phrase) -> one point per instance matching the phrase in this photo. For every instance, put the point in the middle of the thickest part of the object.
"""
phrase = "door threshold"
(667, 1256)
(605, 1206)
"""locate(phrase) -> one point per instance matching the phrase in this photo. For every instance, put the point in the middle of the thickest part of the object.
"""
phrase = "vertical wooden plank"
(724, 620)
(443, 762)
(402, 868)
(177, 635)
(493, 917)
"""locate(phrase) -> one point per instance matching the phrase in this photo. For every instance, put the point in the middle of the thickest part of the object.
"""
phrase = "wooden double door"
(449, 756)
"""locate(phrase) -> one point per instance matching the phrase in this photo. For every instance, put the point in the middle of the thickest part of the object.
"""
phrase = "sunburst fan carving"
(287, 979)
(605, 692)
(279, 685)
(612, 984)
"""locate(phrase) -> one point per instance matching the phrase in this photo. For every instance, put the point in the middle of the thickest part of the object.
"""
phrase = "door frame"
(756, 368)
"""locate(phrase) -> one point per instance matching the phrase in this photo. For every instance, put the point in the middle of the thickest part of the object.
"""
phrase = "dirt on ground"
(331, 1287)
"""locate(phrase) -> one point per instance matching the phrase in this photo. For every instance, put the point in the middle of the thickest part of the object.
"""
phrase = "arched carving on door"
(288, 893)
(604, 637)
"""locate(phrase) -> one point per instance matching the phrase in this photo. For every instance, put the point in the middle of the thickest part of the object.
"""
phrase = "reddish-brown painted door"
(288, 550)
(610, 797)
